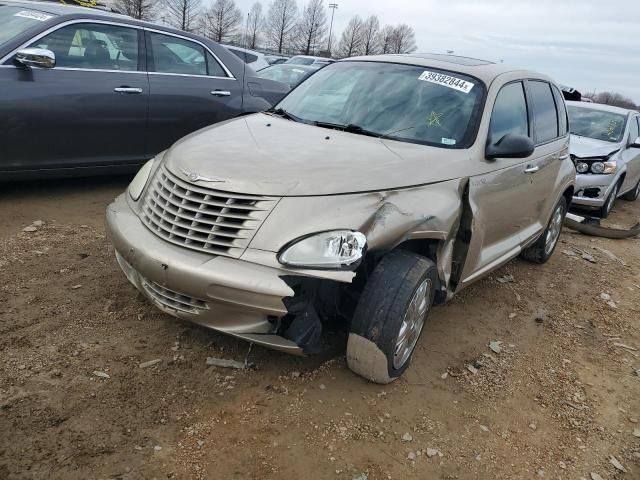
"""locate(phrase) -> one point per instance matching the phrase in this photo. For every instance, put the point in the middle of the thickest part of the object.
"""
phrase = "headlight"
(582, 167)
(334, 249)
(597, 167)
(140, 180)
(610, 167)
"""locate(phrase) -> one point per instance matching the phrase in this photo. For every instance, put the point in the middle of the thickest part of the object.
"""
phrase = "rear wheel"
(390, 316)
(633, 194)
(541, 251)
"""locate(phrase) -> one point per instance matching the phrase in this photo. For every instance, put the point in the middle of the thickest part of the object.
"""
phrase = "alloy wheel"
(412, 324)
(553, 231)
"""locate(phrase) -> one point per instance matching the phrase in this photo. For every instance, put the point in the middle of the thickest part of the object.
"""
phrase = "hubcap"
(412, 324)
(612, 198)
(553, 231)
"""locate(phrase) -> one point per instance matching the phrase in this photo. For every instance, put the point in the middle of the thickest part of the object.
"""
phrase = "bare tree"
(280, 23)
(254, 24)
(386, 38)
(312, 27)
(615, 99)
(370, 37)
(140, 9)
(222, 20)
(404, 39)
(351, 39)
(183, 14)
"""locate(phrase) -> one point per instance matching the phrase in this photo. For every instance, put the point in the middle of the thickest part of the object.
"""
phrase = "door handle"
(532, 169)
(127, 90)
(220, 93)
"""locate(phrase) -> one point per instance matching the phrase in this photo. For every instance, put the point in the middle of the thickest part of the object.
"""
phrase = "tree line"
(282, 27)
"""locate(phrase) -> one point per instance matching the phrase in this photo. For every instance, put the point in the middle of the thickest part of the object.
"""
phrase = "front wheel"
(611, 199)
(633, 194)
(390, 316)
(541, 251)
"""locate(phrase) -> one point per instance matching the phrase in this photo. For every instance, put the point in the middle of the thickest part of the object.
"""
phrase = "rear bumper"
(592, 190)
(233, 296)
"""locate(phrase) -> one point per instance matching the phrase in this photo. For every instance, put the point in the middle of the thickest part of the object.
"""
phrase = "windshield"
(300, 61)
(401, 102)
(598, 124)
(289, 74)
(15, 20)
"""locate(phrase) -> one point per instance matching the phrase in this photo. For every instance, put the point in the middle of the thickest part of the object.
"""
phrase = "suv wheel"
(390, 316)
(611, 199)
(633, 194)
(541, 251)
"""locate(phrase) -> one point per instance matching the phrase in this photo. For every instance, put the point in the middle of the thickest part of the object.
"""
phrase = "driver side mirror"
(510, 146)
(36, 57)
(635, 144)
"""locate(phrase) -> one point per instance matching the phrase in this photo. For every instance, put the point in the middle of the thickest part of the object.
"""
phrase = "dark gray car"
(84, 91)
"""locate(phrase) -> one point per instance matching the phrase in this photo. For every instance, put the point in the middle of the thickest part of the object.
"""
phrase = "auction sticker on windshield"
(41, 17)
(446, 81)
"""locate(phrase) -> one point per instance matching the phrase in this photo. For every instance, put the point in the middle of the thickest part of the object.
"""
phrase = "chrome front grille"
(174, 300)
(202, 219)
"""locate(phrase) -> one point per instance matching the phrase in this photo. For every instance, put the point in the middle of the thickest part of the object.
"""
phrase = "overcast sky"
(586, 44)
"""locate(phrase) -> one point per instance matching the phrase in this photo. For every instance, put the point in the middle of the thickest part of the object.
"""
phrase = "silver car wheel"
(412, 324)
(611, 199)
(553, 231)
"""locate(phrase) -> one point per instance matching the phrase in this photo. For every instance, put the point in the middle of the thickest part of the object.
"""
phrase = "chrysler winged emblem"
(195, 177)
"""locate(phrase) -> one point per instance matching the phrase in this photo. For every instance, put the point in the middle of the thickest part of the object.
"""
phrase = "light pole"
(333, 7)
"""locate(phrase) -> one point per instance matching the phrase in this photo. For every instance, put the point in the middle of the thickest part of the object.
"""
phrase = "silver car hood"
(266, 155)
(585, 147)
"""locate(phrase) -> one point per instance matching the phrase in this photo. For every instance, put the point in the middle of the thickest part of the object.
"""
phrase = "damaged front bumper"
(251, 298)
(593, 190)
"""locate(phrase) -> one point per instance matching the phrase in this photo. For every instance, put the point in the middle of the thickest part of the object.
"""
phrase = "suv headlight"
(603, 167)
(140, 180)
(335, 249)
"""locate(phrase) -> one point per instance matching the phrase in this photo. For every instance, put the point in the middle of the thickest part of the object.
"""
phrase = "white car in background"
(255, 60)
(605, 148)
(310, 61)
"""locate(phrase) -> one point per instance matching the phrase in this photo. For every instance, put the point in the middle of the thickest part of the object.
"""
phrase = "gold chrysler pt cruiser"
(379, 187)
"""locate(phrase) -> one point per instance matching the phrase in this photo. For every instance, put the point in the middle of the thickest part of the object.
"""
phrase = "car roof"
(246, 50)
(485, 70)
(602, 106)
(306, 68)
(56, 8)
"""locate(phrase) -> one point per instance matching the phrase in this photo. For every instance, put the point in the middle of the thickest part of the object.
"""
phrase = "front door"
(501, 199)
(190, 89)
(89, 110)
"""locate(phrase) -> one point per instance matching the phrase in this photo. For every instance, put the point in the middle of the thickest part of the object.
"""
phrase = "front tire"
(541, 251)
(611, 200)
(390, 316)
(632, 195)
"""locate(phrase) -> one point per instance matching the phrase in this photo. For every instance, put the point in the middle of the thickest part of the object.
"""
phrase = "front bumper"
(593, 190)
(233, 296)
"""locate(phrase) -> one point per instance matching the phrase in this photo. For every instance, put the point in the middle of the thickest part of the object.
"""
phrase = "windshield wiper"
(351, 128)
(281, 112)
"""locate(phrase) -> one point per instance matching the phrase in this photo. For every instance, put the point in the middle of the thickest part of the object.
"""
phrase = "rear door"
(90, 110)
(190, 88)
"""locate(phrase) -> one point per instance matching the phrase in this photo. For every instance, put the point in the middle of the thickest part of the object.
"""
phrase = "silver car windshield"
(598, 124)
(400, 102)
(15, 20)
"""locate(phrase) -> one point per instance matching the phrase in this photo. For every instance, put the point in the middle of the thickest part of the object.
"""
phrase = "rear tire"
(541, 251)
(632, 195)
(390, 316)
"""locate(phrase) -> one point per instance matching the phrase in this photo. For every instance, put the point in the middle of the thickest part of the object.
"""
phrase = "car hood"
(266, 155)
(585, 147)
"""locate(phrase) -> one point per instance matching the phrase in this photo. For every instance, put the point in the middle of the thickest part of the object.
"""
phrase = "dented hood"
(267, 155)
(585, 147)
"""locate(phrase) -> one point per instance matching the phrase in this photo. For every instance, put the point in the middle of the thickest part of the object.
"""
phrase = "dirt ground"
(560, 400)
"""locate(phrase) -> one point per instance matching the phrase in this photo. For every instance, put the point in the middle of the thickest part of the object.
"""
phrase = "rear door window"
(509, 113)
(545, 115)
(93, 46)
(176, 55)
